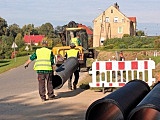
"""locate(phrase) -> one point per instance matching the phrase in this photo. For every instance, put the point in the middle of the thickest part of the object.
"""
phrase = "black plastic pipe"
(64, 72)
(149, 107)
(118, 104)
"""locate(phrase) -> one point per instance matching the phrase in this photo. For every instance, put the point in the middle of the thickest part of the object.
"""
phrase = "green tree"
(19, 40)
(140, 33)
(3, 26)
(13, 30)
(28, 29)
(6, 45)
(47, 30)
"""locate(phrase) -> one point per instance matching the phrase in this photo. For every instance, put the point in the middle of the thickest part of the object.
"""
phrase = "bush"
(157, 43)
(109, 46)
(123, 46)
(126, 35)
(23, 53)
(132, 42)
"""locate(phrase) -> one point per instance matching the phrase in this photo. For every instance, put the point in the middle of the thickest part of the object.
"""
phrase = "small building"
(33, 39)
(112, 23)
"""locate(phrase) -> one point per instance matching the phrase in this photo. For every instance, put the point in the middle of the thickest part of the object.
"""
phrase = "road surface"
(19, 98)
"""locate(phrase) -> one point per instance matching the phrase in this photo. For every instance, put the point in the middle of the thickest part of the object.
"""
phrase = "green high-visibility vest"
(72, 53)
(43, 61)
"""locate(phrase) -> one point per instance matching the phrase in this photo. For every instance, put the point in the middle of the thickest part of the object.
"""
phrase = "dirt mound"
(129, 55)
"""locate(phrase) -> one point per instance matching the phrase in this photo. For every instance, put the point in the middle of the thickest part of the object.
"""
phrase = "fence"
(118, 73)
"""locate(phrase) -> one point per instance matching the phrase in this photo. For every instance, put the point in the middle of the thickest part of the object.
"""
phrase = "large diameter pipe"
(149, 107)
(118, 104)
(64, 72)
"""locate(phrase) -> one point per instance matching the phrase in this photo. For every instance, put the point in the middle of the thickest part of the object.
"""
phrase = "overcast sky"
(60, 12)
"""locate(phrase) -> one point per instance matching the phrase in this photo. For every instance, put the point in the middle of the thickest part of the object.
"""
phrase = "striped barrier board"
(118, 73)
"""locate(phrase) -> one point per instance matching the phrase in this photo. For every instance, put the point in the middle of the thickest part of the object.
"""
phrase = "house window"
(111, 11)
(107, 19)
(123, 21)
(100, 20)
(115, 19)
(120, 29)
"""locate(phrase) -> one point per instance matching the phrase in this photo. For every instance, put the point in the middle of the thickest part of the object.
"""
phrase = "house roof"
(33, 38)
(89, 32)
(133, 19)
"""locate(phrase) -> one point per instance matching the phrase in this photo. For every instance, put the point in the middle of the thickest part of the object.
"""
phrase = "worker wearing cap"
(43, 65)
(73, 53)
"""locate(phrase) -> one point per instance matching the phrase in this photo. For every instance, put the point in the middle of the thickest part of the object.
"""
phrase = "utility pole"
(101, 26)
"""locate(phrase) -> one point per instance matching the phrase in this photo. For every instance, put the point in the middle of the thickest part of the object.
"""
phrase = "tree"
(6, 46)
(140, 33)
(13, 30)
(3, 27)
(28, 29)
(47, 30)
(19, 40)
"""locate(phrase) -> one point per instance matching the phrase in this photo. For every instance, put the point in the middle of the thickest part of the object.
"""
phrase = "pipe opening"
(105, 111)
(146, 114)
(57, 82)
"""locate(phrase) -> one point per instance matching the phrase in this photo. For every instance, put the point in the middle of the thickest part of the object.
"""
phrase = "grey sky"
(60, 12)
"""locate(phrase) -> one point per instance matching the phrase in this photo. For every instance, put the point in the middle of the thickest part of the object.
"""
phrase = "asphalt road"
(18, 81)
(19, 98)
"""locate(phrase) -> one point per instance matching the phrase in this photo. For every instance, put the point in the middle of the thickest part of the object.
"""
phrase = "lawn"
(7, 64)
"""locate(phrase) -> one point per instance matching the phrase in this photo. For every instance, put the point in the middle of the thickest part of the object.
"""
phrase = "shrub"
(109, 46)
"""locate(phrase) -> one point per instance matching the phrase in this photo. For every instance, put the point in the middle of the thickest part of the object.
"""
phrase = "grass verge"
(7, 64)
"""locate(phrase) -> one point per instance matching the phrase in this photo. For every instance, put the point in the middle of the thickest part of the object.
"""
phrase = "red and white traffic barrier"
(118, 73)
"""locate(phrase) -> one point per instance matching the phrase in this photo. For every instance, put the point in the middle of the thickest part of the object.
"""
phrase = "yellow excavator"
(84, 51)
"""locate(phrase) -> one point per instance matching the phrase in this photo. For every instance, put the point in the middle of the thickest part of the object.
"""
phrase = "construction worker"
(121, 56)
(73, 53)
(75, 40)
(43, 65)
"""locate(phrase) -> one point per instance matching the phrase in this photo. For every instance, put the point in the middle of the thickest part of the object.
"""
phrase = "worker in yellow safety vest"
(73, 53)
(76, 40)
(43, 65)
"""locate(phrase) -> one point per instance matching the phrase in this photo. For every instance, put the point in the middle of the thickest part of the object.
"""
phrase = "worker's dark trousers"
(42, 90)
(76, 75)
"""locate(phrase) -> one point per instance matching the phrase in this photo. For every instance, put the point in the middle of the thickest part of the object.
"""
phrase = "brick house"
(112, 23)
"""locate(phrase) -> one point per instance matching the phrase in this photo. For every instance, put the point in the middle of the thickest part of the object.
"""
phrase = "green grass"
(7, 64)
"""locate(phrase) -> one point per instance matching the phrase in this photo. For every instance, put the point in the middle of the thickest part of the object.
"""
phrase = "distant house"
(33, 39)
(112, 23)
(89, 32)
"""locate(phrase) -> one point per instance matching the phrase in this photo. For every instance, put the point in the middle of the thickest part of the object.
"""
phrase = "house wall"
(110, 24)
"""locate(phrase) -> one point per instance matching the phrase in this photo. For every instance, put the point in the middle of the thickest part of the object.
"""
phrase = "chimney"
(116, 6)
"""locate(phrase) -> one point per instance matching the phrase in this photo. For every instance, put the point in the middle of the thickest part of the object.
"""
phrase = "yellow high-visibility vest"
(75, 41)
(72, 53)
(43, 61)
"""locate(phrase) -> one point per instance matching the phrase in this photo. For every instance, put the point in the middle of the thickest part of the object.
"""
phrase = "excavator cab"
(84, 51)
(81, 32)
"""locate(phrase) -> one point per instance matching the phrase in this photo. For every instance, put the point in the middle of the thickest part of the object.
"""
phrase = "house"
(112, 23)
(89, 32)
(33, 39)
